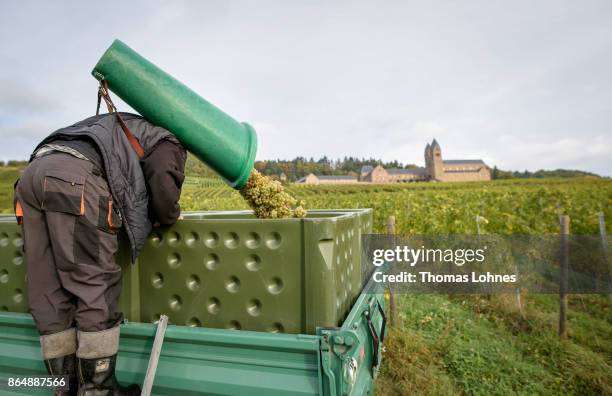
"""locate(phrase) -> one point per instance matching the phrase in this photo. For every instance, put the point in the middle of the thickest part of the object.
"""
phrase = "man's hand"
(156, 224)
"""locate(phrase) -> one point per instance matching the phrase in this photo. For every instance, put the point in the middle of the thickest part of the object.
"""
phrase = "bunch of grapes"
(268, 198)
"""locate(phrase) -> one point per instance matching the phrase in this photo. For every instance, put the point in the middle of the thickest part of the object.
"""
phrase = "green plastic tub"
(230, 270)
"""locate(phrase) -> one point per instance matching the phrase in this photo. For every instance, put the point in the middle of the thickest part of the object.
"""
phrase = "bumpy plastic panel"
(347, 254)
(330, 264)
(13, 291)
(13, 296)
(225, 273)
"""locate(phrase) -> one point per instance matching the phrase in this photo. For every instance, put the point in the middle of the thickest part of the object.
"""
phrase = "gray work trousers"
(70, 239)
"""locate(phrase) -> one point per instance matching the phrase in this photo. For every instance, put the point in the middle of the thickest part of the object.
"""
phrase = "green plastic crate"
(230, 270)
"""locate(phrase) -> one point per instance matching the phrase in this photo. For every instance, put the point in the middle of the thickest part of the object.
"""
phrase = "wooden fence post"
(391, 225)
(392, 308)
(479, 218)
(604, 246)
(517, 292)
(563, 269)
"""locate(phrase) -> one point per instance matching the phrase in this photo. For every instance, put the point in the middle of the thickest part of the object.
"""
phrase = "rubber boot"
(64, 365)
(97, 378)
(58, 350)
(96, 362)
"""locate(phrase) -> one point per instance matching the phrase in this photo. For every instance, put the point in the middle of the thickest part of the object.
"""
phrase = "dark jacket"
(125, 175)
(164, 172)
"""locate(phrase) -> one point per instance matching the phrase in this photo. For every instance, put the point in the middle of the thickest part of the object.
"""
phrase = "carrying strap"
(103, 94)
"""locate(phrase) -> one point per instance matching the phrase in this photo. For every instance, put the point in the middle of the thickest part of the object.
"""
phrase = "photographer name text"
(428, 277)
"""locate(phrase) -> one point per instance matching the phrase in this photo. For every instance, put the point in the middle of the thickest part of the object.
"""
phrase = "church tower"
(435, 166)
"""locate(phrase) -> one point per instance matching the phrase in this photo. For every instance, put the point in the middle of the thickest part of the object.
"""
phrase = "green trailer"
(317, 331)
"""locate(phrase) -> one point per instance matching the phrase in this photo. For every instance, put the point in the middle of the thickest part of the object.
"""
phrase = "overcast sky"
(520, 84)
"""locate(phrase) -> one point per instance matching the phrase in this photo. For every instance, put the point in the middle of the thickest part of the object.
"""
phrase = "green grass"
(480, 346)
(469, 345)
(8, 175)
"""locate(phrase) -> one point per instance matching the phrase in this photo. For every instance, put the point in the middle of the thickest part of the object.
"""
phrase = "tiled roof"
(462, 171)
(413, 171)
(463, 161)
(334, 177)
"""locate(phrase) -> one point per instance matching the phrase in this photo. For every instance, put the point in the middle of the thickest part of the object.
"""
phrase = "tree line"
(14, 163)
(540, 174)
(299, 167)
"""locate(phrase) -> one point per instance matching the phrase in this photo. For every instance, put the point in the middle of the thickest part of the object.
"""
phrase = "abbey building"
(436, 169)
